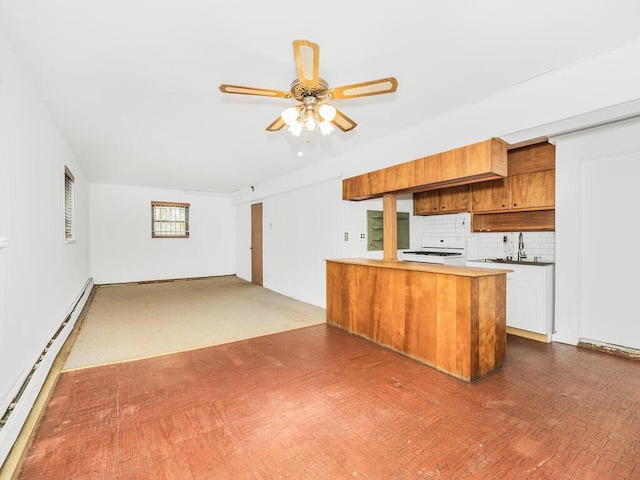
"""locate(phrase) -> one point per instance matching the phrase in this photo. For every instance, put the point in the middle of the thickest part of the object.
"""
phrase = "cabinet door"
(533, 190)
(525, 302)
(491, 195)
(454, 199)
(426, 203)
(533, 158)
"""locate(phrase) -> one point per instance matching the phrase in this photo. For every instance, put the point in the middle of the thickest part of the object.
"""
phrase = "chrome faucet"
(521, 254)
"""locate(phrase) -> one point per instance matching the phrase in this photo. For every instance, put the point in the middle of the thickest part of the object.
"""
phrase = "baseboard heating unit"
(15, 412)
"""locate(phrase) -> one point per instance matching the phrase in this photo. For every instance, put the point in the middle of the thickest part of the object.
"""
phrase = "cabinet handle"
(515, 204)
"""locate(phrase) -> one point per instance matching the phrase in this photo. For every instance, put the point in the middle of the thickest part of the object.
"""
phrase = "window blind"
(69, 181)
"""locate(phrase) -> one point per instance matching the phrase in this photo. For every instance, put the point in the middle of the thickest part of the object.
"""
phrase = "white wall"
(302, 227)
(300, 231)
(598, 174)
(40, 274)
(243, 241)
(122, 249)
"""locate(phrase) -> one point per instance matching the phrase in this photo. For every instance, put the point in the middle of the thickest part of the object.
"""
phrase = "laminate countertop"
(423, 267)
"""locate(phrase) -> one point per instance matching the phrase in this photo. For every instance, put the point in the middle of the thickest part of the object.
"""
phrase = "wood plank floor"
(319, 403)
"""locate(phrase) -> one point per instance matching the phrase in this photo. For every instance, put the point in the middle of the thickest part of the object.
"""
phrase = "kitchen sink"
(514, 262)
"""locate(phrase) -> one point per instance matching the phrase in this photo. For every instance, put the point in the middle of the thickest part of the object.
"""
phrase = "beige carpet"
(127, 322)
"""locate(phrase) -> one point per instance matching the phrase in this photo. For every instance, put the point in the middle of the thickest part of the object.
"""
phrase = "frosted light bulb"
(295, 129)
(327, 112)
(290, 115)
(310, 123)
(326, 128)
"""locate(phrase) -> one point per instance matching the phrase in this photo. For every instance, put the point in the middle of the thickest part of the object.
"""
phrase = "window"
(169, 220)
(69, 181)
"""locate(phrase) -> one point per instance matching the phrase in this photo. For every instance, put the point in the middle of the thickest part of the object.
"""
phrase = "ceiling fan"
(313, 92)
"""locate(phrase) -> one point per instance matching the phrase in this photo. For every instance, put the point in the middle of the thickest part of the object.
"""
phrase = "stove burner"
(443, 251)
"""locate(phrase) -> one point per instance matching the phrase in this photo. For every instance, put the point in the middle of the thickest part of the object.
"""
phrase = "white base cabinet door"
(529, 295)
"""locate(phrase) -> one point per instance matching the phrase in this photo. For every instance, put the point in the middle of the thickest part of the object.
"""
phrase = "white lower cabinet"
(529, 297)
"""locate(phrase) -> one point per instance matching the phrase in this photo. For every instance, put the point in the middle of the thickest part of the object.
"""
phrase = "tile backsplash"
(490, 245)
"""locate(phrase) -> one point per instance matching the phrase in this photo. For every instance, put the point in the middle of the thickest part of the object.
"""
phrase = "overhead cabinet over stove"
(443, 200)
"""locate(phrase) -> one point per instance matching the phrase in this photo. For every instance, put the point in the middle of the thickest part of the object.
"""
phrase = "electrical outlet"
(363, 236)
(504, 239)
(346, 236)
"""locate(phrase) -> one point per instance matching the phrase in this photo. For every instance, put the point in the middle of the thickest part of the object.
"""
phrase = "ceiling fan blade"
(262, 92)
(276, 125)
(307, 55)
(375, 87)
(343, 122)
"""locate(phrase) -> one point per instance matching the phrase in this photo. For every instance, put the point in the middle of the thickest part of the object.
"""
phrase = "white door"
(610, 218)
(597, 179)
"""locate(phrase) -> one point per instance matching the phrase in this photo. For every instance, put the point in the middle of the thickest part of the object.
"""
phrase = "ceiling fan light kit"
(312, 91)
(309, 116)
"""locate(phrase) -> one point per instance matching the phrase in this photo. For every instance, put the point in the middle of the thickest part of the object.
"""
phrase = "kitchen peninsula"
(451, 318)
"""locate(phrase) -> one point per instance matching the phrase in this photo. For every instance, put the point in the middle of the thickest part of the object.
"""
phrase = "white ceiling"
(133, 84)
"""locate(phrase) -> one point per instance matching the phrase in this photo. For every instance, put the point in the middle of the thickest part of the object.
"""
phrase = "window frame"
(174, 205)
(69, 206)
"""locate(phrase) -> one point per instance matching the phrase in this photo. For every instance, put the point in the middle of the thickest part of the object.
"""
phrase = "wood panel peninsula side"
(450, 318)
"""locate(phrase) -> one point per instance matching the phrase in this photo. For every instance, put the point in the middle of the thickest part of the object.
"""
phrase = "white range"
(442, 250)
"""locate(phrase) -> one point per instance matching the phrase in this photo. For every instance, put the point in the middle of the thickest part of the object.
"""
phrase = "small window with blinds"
(169, 220)
(69, 182)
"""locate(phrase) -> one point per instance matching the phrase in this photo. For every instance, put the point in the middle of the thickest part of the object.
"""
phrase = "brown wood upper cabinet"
(489, 196)
(525, 200)
(443, 200)
(533, 190)
(461, 166)
(530, 184)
